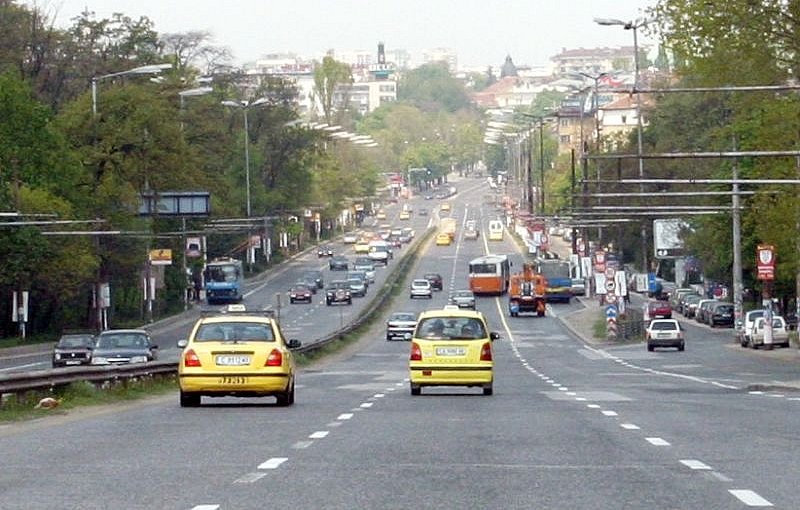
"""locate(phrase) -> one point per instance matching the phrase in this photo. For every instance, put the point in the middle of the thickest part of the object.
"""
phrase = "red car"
(300, 293)
(659, 310)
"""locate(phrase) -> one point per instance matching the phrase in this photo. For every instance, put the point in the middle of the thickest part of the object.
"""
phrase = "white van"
(495, 230)
(380, 251)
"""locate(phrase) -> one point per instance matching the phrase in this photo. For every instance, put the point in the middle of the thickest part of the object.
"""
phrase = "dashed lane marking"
(657, 441)
(273, 463)
(749, 497)
(695, 464)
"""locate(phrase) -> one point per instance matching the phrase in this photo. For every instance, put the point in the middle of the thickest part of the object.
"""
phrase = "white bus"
(495, 230)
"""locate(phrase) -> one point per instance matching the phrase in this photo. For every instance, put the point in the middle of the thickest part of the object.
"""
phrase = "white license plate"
(73, 362)
(232, 360)
(664, 335)
(450, 351)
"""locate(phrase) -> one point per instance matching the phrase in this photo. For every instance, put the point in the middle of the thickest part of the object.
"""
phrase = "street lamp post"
(149, 69)
(244, 106)
(199, 91)
(635, 25)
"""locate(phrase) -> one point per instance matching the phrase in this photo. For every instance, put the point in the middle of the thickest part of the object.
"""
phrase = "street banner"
(765, 261)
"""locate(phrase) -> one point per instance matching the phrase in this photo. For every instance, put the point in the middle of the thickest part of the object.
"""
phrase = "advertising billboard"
(667, 238)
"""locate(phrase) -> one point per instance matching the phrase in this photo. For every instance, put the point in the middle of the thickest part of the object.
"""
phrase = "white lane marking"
(344, 416)
(318, 434)
(721, 477)
(776, 395)
(302, 444)
(609, 413)
(593, 406)
(656, 441)
(749, 497)
(571, 393)
(250, 478)
(379, 395)
(333, 424)
(205, 507)
(630, 426)
(695, 464)
(366, 405)
(563, 388)
(17, 367)
(273, 463)
(793, 398)
(580, 399)
(756, 392)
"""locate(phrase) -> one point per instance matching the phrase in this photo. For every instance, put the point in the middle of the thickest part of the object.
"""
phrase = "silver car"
(463, 299)
(399, 324)
(121, 346)
(421, 287)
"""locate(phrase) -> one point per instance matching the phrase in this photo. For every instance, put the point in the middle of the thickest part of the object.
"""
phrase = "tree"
(330, 76)
(432, 87)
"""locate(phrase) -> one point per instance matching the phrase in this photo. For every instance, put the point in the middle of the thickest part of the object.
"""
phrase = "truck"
(223, 280)
(448, 226)
(527, 291)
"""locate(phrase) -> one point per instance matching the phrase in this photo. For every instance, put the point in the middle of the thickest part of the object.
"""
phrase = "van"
(495, 230)
(379, 251)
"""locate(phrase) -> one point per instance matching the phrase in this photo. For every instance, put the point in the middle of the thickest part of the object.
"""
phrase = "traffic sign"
(610, 285)
(611, 312)
(611, 298)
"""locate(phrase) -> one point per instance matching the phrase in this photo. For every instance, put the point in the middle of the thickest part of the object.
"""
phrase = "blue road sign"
(611, 312)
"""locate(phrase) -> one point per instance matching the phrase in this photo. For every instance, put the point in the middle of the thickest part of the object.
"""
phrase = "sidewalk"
(581, 322)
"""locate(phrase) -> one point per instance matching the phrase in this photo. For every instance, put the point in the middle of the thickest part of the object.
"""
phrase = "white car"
(780, 336)
(399, 324)
(664, 333)
(420, 287)
(745, 326)
(350, 238)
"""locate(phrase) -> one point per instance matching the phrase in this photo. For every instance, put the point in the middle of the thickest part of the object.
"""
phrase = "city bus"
(223, 280)
(559, 279)
(495, 230)
(489, 274)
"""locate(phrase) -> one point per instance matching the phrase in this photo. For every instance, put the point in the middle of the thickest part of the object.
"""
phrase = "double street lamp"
(635, 25)
(148, 69)
(245, 106)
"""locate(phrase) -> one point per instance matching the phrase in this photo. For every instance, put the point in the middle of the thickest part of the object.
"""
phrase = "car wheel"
(681, 347)
(416, 389)
(388, 338)
(753, 344)
(487, 389)
(286, 399)
(650, 347)
(328, 302)
(514, 314)
(349, 301)
(190, 399)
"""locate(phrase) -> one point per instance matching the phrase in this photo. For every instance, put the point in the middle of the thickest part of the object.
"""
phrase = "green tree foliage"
(432, 87)
(329, 77)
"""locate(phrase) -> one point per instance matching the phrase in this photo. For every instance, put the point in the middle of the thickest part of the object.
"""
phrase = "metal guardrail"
(58, 377)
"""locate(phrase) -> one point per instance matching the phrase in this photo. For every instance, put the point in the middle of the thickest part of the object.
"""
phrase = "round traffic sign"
(610, 285)
(611, 298)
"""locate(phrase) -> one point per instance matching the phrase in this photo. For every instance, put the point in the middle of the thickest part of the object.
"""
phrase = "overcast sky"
(482, 32)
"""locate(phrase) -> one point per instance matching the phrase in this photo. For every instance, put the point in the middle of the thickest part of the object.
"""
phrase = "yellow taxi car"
(405, 215)
(236, 353)
(445, 207)
(451, 347)
(362, 245)
(443, 239)
(380, 215)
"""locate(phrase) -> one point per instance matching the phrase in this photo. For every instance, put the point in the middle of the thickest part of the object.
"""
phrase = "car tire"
(286, 399)
(389, 338)
(350, 301)
(650, 348)
(190, 399)
(328, 302)
(681, 347)
(487, 389)
(416, 389)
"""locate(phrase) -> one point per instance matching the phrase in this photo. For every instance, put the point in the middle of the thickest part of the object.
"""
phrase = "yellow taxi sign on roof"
(236, 308)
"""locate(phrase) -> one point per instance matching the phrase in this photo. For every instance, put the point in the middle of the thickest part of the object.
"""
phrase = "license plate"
(664, 335)
(73, 362)
(231, 360)
(450, 351)
(233, 380)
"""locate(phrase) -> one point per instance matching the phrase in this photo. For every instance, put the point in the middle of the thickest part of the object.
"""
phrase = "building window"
(624, 119)
(565, 139)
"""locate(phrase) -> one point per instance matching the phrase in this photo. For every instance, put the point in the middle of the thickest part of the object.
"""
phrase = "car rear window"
(664, 326)
(234, 332)
(450, 328)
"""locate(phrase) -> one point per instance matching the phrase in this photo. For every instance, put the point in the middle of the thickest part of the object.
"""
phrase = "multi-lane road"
(570, 425)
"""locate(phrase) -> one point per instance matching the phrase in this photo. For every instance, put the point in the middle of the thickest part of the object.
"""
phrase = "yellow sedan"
(451, 347)
(236, 353)
(380, 215)
(443, 239)
(405, 215)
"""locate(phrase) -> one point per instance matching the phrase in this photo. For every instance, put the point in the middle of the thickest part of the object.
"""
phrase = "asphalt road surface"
(571, 425)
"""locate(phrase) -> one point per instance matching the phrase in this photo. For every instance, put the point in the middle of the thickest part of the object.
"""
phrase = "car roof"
(127, 331)
(663, 321)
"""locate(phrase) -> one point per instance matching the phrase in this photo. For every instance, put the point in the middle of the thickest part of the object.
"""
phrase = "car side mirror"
(494, 335)
(182, 343)
(293, 343)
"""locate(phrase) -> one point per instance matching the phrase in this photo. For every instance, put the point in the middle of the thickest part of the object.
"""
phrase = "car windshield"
(450, 328)
(76, 341)
(234, 332)
(463, 294)
(121, 341)
(403, 317)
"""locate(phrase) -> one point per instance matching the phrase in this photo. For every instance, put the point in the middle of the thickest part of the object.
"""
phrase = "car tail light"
(416, 352)
(275, 359)
(486, 352)
(190, 359)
